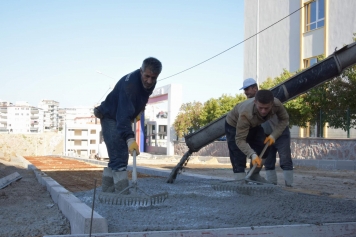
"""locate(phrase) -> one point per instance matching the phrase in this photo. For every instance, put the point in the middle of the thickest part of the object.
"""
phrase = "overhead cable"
(233, 46)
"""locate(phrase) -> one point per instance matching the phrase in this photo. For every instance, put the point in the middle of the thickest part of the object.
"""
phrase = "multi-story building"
(81, 140)
(68, 115)
(3, 116)
(315, 28)
(20, 118)
(50, 114)
(82, 132)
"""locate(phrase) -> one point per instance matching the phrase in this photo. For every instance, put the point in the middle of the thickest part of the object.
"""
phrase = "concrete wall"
(276, 48)
(342, 23)
(331, 154)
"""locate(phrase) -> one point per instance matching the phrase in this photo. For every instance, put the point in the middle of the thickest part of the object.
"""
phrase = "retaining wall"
(323, 153)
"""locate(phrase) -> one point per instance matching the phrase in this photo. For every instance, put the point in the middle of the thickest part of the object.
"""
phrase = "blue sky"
(53, 49)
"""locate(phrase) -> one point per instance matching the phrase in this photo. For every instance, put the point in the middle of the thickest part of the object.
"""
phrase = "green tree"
(299, 114)
(188, 119)
(340, 111)
(341, 92)
(215, 108)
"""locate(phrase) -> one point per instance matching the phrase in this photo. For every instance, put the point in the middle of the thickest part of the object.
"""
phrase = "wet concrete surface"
(317, 197)
(193, 204)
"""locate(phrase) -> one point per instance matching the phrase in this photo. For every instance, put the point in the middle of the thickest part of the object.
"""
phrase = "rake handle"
(134, 171)
(255, 165)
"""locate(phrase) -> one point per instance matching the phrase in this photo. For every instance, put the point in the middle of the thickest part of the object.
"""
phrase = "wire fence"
(329, 124)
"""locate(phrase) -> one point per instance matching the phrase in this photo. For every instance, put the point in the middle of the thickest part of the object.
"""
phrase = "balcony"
(3, 121)
(34, 116)
(3, 110)
(34, 111)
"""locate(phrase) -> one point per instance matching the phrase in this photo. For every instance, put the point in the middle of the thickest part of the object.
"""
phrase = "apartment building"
(20, 118)
(50, 114)
(81, 140)
(315, 28)
(69, 115)
(82, 132)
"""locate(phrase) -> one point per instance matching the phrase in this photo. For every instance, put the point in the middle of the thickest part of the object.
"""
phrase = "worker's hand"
(256, 160)
(132, 145)
(138, 118)
(270, 140)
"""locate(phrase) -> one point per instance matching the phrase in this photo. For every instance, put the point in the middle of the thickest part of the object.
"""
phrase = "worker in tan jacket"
(246, 137)
(282, 144)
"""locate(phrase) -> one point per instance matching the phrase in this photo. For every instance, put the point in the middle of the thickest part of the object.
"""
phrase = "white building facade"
(317, 29)
(20, 118)
(69, 115)
(50, 114)
(81, 140)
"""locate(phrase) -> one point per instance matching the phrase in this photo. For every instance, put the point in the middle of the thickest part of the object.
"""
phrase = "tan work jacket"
(245, 116)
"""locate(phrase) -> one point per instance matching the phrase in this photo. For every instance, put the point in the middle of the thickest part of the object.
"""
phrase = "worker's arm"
(125, 111)
(283, 119)
(242, 128)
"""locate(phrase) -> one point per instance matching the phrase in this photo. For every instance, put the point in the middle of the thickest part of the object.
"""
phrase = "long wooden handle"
(255, 165)
(134, 171)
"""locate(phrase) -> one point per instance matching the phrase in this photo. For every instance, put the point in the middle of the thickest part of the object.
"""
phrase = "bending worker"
(246, 137)
(282, 144)
(117, 112)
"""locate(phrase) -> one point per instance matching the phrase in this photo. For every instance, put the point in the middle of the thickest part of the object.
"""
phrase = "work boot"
(107, 180)
(121, 181)
(288, 177)
(240, 178)
(257, 177)
(271, 176)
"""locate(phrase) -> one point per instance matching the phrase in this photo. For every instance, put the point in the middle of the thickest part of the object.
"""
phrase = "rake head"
(249, 188)
(132, 199)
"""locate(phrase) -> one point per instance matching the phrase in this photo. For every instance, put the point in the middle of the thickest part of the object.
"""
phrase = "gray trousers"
(282, 146)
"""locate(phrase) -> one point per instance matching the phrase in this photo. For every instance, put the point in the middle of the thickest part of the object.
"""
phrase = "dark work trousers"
(255, 139)
(116, 146)
(282, 146)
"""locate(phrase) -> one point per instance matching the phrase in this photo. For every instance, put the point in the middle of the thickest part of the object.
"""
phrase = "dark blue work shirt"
(125, 102)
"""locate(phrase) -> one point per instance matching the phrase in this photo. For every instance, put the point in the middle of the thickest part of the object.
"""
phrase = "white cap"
(248, 82)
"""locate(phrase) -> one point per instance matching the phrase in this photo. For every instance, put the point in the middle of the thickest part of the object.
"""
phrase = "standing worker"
(117, 112)
(246, 137)
(282, 144)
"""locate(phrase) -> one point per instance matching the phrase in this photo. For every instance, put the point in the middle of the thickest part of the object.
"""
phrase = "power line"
(218, 53)
(109, 87)
(234, 45)
(104, 95)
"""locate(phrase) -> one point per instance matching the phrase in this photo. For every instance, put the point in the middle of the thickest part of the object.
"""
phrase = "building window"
(314, 15)
(310, 61)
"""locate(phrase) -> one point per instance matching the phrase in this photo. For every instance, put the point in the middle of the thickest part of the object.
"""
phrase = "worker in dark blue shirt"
(117, 112)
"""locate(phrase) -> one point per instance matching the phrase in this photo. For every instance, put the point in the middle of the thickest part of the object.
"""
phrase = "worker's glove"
(270, 140)
(132, 145)
(256, 160)
(138, 118)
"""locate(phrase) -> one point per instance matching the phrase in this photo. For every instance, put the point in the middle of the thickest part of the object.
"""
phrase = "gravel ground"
(27, 209)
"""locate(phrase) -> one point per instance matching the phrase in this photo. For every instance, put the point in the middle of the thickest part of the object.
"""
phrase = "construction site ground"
(28, 210)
